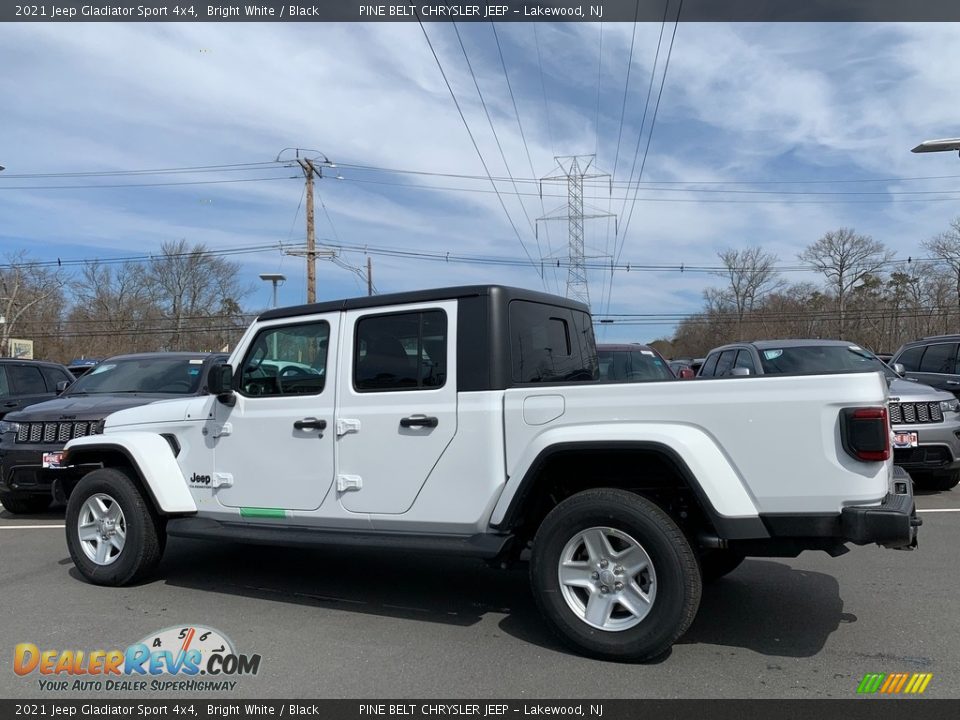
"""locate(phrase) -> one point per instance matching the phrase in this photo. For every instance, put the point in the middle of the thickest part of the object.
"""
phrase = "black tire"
(677, 574)
(936, 480)
(717, 562)
(24, 504)
(145, 533)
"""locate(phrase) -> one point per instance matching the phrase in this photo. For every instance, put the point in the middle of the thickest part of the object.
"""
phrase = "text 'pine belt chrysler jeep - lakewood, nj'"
(470, 421)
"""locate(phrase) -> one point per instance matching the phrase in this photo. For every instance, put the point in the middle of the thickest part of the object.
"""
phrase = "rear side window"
(54, 375)
(26, 379)
(910, 358)
(401, 351)
(4, 386)
(550, 344)
(710, 365)
(940, 358)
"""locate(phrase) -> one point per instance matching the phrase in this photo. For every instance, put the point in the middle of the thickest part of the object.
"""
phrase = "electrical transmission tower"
(573, 170)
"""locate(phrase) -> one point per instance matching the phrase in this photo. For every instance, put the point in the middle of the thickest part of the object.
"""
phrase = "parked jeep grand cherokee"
(926, 421)
(32, 440)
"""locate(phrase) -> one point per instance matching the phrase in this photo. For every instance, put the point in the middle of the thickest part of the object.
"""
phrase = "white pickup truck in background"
(469, 421)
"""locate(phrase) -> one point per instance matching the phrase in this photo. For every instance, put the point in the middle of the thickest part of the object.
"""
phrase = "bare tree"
(750, 275)
(113, 312)
(199, 294)
(26, 286)
(946, 247)
(844, 258)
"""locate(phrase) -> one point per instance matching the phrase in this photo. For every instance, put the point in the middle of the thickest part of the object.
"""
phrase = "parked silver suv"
(925, 421)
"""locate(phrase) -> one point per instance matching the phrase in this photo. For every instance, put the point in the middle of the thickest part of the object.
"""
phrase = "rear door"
(396, 405)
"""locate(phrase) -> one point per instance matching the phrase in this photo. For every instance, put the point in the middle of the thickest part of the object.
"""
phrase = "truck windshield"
(821, 358)
(632, 366)
(175, 376)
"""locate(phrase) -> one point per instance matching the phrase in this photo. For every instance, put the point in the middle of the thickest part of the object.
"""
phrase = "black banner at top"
(482, 11)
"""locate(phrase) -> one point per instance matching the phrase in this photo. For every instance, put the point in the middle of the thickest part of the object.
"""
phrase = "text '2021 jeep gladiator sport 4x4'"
(469, 420)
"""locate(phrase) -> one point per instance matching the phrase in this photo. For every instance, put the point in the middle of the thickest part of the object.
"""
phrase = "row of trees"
(865, 296)
(185, 298)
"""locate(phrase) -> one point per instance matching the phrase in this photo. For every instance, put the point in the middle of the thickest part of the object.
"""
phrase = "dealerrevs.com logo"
(174, 659)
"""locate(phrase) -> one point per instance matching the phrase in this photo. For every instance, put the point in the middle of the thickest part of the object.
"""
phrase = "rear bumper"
(893, 523)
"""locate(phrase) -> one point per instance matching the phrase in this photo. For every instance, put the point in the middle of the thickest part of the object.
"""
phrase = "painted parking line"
(29, 527)
(939, 510)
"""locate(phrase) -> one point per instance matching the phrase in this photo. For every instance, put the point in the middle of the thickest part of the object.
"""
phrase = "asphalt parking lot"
(362, 624)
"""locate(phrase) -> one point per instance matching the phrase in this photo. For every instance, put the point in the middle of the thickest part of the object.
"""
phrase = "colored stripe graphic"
(894, 683)
(262, 512)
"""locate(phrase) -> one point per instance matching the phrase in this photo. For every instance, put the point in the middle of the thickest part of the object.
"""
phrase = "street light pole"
(946, 145)
(276, 279)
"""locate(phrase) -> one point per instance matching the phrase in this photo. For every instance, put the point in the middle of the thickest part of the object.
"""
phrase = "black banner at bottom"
(852, 709)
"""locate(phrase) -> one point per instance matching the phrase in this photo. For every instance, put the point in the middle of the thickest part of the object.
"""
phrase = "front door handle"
(11, 404)
(310, 424)
(419, 421)
(953, 382)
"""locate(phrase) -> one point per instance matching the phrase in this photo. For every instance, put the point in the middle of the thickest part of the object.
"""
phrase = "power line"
(626, 87)
(232, 167)
(496, 138)
(543, 87)
(143, 185)
(523, 137)
(472, 139)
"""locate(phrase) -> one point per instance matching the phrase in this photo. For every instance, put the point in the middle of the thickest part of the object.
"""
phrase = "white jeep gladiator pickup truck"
(469, 420)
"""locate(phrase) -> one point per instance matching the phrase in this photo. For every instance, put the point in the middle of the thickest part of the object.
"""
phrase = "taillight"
(865, 433)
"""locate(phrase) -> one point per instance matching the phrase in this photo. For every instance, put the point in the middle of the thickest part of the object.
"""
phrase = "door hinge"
(222, 480)
(221, 430)
(347, 425)
(349, 482)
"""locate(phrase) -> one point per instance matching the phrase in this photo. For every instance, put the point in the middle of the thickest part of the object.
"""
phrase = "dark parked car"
(26, 382)
(32, 440)
(925, 420)
(932, 361)
(632, 363)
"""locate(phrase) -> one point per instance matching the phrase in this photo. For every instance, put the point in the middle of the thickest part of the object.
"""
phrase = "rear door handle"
(11, 404)
(953, 382)
(310, 424)
(419, 421)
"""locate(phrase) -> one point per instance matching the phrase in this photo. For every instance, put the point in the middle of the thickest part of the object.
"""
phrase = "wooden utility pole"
(369, 276)
(308, 171)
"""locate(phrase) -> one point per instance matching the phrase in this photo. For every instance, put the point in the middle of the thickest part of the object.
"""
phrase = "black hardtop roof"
(502, 292)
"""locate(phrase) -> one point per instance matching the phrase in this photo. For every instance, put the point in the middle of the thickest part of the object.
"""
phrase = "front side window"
(401, 351)
(725, 363)
(54, 376)
(551, 344)
(745, 360)
(286, 360)
(910, 358)
(710, 366)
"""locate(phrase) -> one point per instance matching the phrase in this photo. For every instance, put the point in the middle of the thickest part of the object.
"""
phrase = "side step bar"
(480, 546)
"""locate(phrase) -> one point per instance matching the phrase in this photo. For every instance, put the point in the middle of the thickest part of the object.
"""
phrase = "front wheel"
(614, 575)
(113, 534)
(20, 504)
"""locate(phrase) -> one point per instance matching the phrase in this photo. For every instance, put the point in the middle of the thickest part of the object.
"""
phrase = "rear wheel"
(24, 504)
(936, 480)
(113, 534)
(614, 576)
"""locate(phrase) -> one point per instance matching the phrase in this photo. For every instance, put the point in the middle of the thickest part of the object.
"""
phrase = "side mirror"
(62, 385)
(220, 381)
(740, 372)
(687, 374)
(898, 368)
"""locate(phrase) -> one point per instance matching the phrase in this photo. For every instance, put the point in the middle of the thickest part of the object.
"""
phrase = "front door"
(274, 448)
(397, 404)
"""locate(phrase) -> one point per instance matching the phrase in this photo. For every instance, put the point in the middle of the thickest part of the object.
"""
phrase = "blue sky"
(744, 102)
